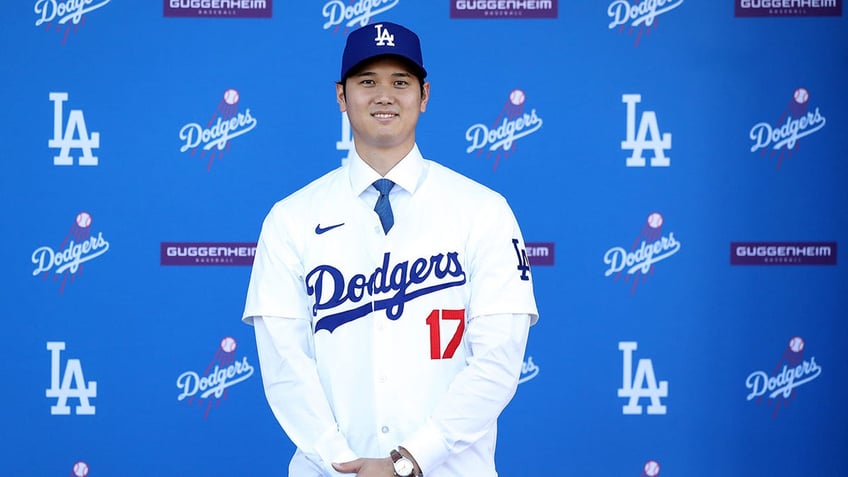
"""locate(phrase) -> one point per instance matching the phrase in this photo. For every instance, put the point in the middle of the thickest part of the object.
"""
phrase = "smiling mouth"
(384, 115)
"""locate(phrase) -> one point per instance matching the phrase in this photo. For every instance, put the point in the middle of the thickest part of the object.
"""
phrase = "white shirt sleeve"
(294, 391)
(479, 393)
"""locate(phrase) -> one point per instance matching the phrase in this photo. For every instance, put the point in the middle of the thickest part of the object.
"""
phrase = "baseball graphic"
(655, 220)
(83, 219)
(516, 97)
(652, 468)
(80, 469)
(801, 95)
(228, 344)
(231, 96)
(796, 344)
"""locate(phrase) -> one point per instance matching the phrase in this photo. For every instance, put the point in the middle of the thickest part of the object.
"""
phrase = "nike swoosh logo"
(320, 230)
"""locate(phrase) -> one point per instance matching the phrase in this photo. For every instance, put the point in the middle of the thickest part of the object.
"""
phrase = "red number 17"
(434, 321)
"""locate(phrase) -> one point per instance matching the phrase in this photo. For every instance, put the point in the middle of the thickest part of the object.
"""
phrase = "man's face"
(383, 101)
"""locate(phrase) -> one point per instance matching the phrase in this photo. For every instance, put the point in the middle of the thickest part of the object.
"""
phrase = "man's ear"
(340, 97)
(425, 96)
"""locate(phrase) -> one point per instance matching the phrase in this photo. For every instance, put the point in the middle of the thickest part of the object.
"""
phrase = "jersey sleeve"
(276, 287)
(500, 278)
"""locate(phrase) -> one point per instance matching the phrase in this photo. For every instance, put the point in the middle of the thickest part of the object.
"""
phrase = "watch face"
(404, 467)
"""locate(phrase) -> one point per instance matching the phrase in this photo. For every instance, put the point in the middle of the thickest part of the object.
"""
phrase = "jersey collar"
(408, 173)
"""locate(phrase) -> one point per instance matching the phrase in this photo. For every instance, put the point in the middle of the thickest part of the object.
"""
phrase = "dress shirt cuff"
(332, 447)
(427, 447)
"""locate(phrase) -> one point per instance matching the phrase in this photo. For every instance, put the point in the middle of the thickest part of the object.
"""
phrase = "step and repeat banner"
(678, 169)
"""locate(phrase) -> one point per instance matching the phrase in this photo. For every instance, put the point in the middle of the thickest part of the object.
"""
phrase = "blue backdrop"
(678, 169)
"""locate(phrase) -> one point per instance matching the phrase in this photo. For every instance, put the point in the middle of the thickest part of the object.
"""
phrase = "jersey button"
(385, 429)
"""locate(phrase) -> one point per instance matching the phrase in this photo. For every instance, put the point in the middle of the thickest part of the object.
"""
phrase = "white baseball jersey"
(389, 310)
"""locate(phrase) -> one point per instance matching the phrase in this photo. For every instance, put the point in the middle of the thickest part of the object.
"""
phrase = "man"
(390, 325)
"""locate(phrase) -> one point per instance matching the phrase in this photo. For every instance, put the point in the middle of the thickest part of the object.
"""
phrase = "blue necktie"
(383, 207)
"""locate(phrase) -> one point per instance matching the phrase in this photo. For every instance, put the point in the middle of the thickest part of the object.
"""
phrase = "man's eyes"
(396, 83)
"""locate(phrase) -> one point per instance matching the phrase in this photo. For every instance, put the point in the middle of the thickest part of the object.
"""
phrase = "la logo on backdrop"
(68, 15)
(71, 135)
(77, 247)
(213, 138)
(511, 124)
(70, 384)
(210, 387)
(637, 262)
(792, 371)
(783, 137)
(647, 136)
(638, 17)
(641, 384)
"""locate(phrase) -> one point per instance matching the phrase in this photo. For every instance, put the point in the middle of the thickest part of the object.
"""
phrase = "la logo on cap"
(383, 36)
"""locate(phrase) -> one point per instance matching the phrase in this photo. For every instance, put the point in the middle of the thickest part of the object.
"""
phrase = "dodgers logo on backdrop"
(788, 8)
(782, 137)
(354, 12)
(72, 135)
(67, 13)
(217, 8)
(650, 247)
(501, 9)
(225, 124)
(642, 384)
(68, 384)
(78, 247)
(638, 141)
(512, 124)
(641, 15)
(778, 387)
(529, 370)
(212, 385)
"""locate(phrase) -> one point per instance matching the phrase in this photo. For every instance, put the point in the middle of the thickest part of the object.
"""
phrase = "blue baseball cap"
(380, 39)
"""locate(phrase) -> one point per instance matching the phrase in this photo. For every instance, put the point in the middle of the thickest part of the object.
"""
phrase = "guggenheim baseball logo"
(223, 371)
(217, 8)
(638, 16)
(214, 137)
(783, 137)
(66, 261)
(512, 124)
(779, 386)
(650, 247)
(788, 8)
(501, 9)
(207, 253)
(68, 15)
(783, 253)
